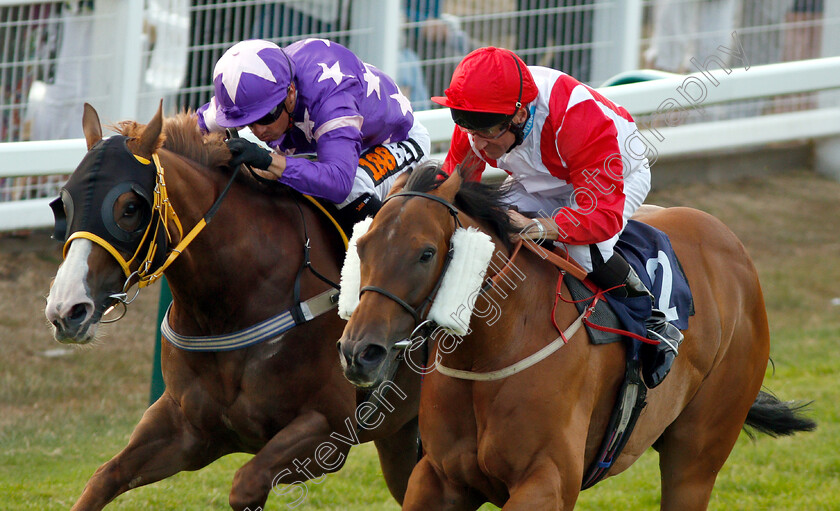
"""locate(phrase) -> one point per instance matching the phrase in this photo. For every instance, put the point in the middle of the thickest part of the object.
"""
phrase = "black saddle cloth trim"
(603, 314)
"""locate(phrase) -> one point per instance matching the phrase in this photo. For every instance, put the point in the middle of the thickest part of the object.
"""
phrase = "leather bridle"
(418, 312)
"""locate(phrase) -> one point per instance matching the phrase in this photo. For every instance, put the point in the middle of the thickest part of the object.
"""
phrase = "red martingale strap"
(565, 264)
(597, 295)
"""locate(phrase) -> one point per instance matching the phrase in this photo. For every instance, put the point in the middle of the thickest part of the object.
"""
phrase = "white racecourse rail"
(665, 102)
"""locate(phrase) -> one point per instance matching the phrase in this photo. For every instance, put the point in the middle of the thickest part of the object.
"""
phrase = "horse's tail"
(772, 417)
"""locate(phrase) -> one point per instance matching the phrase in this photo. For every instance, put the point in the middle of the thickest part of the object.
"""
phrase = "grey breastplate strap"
(263, 331)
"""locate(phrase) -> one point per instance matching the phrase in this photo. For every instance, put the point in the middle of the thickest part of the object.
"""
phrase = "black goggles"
(271, 116)
(489, 133)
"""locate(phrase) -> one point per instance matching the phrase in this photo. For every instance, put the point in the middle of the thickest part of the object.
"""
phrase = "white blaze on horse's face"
(69, 306)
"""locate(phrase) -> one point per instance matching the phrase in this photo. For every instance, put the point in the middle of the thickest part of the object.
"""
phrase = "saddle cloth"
(648, 250)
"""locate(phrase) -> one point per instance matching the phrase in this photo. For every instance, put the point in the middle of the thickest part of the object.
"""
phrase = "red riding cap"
(491, 80)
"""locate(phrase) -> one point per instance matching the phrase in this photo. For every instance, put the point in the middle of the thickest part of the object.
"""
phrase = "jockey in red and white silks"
(580, 161)
(576, 164)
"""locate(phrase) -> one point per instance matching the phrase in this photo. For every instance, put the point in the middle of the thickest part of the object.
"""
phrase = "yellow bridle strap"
(102, 243)
(333, 220)
(162, 204)
(145, 280)
(165, 213)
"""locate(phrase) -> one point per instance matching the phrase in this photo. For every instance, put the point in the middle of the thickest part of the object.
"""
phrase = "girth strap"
(263, 331)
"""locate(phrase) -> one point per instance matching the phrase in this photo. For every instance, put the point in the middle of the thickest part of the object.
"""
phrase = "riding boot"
(656, 359)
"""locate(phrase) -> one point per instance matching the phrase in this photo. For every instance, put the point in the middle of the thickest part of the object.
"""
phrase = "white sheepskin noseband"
(455, 299)
(348, 297)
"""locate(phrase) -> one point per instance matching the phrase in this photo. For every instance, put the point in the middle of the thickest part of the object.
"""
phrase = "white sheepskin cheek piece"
(455, 299)
(351, 272)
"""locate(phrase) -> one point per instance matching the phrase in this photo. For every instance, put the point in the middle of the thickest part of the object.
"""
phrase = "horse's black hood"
(87, 200)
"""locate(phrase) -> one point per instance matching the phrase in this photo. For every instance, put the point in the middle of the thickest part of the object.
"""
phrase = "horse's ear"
(470, 166)
(91, 126)
(150, 140)
(450, 187)
(464, 171)
(399, 183)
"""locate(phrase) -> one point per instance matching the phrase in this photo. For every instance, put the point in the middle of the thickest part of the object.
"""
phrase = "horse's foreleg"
(301, 451)
(428, 490)
(162, 444)
(397, 457)
(543, 489)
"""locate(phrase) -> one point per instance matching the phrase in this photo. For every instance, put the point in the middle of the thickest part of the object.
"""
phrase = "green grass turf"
(61, 417)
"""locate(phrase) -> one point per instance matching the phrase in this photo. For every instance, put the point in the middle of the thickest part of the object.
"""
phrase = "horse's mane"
(486, 203)
(182, 136)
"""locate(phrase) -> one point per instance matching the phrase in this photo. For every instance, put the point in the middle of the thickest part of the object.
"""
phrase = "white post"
(376, 40)
(128, 27)
(618, 25)
(118, 59)
(827, 150)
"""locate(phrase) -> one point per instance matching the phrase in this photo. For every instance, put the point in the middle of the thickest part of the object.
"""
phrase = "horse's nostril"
(372, 355)
(77, 313)
(343, 355)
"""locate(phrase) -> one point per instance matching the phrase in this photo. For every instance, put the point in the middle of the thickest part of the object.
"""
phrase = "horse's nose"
(370, 357)
(345, 353)
(69, 319)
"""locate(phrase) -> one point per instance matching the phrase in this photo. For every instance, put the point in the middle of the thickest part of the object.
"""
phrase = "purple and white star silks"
(372, 81)
(332, 72)
(306, 125)
(246, 60)
(405, 104)
(342, 108)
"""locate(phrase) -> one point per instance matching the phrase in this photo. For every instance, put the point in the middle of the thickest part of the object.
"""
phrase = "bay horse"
(522, 441)
(284, 399)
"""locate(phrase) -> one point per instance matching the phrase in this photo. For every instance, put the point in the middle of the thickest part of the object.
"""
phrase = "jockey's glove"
(249, 153)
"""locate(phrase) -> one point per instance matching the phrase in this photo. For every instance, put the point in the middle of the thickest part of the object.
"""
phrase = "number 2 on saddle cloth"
(611, 319)
(649, 252)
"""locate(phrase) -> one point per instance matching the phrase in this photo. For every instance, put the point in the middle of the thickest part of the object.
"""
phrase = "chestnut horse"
(523, 441)
(285, 399)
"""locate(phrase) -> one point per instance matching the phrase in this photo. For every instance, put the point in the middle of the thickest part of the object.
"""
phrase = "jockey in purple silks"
(315, 97)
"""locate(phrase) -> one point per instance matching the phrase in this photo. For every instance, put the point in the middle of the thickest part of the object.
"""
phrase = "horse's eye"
(427, 255)
(131, 209)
